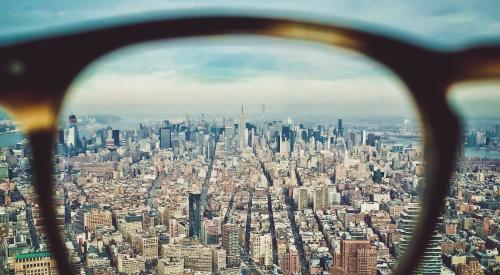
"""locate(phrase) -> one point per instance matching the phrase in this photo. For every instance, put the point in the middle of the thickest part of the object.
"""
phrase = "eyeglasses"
(35, 76)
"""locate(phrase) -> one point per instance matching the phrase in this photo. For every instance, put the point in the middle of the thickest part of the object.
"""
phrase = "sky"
(217, 76)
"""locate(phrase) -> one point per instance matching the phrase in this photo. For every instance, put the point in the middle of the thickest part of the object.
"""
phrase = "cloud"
(180, 94)
(447, 22)
(193, 74)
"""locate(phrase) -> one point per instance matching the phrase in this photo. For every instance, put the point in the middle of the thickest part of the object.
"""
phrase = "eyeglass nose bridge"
(441, 129)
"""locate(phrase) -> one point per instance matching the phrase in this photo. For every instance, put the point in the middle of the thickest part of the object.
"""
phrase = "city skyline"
(248, 195)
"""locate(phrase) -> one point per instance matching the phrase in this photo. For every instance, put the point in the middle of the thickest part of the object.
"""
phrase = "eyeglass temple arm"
(477, 63)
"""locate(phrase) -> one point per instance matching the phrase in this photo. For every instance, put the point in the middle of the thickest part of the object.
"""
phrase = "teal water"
(469, 152)
(11, 139)
(475, 153)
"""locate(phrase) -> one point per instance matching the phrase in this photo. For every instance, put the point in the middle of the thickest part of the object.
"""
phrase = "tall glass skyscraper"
(194, 215)
(73, 142)
(431, 261)
(242, 129)
(165, 138)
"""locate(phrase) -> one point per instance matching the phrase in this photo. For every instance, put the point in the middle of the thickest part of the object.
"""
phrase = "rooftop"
(33, 255)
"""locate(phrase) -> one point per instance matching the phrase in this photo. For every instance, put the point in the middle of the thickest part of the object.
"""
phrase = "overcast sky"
(218, 75)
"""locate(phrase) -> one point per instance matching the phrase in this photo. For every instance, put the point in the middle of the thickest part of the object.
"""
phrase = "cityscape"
(233, 195)
(197, 147)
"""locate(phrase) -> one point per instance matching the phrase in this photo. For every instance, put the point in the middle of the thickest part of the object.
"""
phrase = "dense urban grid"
(240, 196)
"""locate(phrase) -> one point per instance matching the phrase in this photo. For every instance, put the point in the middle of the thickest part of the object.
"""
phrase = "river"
(10, 139)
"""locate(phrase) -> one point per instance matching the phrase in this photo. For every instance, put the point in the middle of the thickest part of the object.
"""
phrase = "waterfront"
(477, 153)
(10, 139)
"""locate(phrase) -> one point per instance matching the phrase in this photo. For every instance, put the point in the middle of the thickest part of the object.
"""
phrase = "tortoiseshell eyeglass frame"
(35, 75)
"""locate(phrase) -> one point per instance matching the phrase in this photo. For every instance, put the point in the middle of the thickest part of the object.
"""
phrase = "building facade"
(40, 263)
(231, 243)
(431, 262)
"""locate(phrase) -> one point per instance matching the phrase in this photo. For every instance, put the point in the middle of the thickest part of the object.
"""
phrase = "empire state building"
(242, 129)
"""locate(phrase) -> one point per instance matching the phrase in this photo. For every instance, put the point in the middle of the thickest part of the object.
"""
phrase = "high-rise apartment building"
(290, 263)
(320, 198)
(357, 257)
(231, 243)
(431, 261)
(261, 249)
(303, 198)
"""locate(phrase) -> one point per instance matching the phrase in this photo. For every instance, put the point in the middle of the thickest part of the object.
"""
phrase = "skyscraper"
(261, 248)
(231, 243)
(100, 139)
(228, 133)
(303, 198)
(60, 136)
(364, 137)
(165, 138)
(341, 128)
(290, 263)
(371, 139)
(431, 261)
(358, 257)
(194, 215)
(116, 137)
(73, 136)
(352, 139)
(242, 129)
(110, 142)
(320, 198)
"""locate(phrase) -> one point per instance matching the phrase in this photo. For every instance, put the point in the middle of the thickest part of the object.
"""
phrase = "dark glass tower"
(116, 137)
(194, 215)
(165, 138)
(341, 128)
